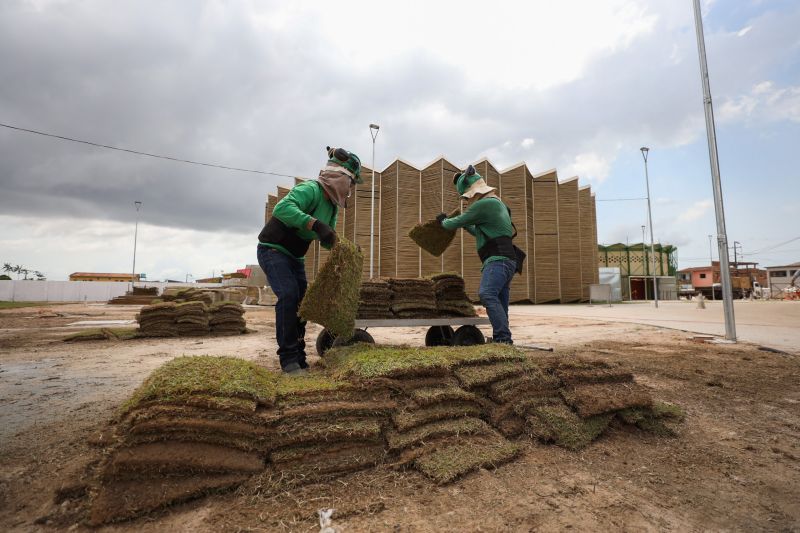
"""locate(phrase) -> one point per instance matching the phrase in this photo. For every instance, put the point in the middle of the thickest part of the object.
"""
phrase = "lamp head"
(374, 127)
(138, 204)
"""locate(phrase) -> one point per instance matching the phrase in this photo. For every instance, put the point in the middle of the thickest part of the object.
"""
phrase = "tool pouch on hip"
(276, 232)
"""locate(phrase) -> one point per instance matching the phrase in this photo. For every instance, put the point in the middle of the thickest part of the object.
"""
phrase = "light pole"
(719, 209)
(644, 263)
(373, 132)
(645, 151)
(138, 205)
(711, 264)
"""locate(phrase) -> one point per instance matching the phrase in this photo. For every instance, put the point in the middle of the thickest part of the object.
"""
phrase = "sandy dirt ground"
(734, 466)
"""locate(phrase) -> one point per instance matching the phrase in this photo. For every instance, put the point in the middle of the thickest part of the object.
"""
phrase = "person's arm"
(470, 229)
(470, 217)
(291, 210)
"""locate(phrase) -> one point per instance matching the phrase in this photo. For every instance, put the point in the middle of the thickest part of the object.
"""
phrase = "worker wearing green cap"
(307, 213)
(488, 219)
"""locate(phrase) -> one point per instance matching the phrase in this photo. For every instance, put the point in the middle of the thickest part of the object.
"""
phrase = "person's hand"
(325, 233)
(440, 217)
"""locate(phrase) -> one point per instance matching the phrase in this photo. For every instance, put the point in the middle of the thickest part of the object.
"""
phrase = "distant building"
(781, 276)
(103, 276)
(636, 269)
(707, 279)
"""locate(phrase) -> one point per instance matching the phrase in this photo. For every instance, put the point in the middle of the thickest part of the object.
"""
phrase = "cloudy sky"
(578, 85)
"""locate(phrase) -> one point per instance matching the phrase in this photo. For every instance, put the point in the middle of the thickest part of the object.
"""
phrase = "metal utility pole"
(372, 128)
(138, 205)
(722, 236)
(644, 262)
(711, 264)
(645, 150)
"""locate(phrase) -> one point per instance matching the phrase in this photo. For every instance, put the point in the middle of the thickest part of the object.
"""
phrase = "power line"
(768, 248)
(147, 154)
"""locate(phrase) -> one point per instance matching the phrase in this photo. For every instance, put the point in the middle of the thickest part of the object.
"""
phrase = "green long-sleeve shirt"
(305, 201)
(486, 219)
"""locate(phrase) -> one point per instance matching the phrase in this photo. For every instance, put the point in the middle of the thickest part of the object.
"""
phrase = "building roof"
(695, 269)
(785, 266)
(101, 274)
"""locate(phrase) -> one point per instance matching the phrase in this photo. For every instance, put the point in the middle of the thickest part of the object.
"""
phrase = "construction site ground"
(735, 464)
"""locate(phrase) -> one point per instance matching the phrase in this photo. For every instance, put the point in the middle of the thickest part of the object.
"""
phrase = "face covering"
(337, 184)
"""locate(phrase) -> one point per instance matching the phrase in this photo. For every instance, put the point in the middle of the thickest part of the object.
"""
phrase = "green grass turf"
(92, 334)
(448, 463)
(332, 299)
(184, 377)
(367, 361)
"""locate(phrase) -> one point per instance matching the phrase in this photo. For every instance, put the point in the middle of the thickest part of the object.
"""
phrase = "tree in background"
(20, 270)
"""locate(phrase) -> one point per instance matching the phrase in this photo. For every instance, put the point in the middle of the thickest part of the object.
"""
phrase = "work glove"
(325, 233)
(440, 217)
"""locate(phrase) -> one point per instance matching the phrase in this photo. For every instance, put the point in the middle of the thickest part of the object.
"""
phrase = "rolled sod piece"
(332, 299)
(432, 237)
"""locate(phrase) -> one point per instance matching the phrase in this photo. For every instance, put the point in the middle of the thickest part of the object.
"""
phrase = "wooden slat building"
(556, 226)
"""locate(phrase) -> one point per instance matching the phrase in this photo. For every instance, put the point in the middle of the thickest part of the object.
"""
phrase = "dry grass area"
(733, 465)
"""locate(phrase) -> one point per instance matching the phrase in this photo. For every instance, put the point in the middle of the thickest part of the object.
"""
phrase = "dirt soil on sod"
(733, 464)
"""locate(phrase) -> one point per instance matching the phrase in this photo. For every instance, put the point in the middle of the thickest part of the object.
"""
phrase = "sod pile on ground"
(99, 334)
(188, 294)
(158, 320)
(192, 318)
(332, 299)
(375, 300)
(413, 298)
(227, 318)
(432, 237)
(204, 424)
(451, 295)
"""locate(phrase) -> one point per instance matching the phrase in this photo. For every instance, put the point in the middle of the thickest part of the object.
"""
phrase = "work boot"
(294, 370)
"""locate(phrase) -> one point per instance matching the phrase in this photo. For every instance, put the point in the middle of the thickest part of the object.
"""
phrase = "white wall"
(75, 291)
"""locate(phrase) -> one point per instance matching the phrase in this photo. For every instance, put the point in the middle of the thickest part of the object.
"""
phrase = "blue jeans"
(494, 294)
(287, 277)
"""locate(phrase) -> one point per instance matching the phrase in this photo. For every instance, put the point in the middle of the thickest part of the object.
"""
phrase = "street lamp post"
(719, 209)
(644, 262)
(138, 206)
(373, 132)
(711, 264)
(645, 151)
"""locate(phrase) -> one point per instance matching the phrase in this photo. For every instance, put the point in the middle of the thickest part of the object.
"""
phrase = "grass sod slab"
(125, 499)
(95, 334)
(295, 432)
(207, 405)
(581, 376)
(658, 418)
(368, 361)
(424, 396)
(405, 420)
(246, 444)
(432, 237)
(533, 383)
(463, 426)
(598, 398)
(169, 458)
(289, 454)
(559, 424)
(472, 376)
(332, 298)
(456, 458)
(185, 376)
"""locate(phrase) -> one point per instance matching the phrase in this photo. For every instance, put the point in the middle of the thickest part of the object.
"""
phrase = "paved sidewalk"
(770, 323)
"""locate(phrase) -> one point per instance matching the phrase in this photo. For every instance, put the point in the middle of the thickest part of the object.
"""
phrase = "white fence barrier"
(76, 291)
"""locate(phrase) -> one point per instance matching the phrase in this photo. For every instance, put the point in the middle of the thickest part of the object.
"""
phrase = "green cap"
(465, 181)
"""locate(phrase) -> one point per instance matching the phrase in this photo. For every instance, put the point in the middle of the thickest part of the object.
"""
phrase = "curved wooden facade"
(555, 221)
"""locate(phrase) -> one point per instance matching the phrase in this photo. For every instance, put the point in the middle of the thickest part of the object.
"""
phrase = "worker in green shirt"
(308, 212)
(488, 219)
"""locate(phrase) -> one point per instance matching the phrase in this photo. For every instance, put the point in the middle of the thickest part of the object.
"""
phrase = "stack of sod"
(451, 295)
(157, 320)
(375, 300)
(227, 318)
(204, 424)
(332, 299)
(191, 319)
(413, 298)
(322, 428)
(191, 428)
(432, 237)
(438, 427)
